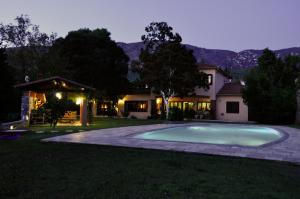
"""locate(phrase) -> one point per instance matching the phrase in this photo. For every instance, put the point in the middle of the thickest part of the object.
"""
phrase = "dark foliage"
(92, 58)
(175, 114)
(27, 45)
(270, 91)
(9, 97)
(189, 114)
(57, 108)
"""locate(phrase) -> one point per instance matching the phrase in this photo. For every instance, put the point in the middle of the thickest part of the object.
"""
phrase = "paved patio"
(287, 150)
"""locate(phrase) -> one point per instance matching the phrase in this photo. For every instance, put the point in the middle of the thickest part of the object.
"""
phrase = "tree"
(91, 57)
(270, 91)
(7, 100)
(166, 65)
(57, 108)
(27, 44)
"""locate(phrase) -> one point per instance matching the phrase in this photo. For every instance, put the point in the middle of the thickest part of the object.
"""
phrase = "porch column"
(94, 108)
(26, 107)
(83, 112)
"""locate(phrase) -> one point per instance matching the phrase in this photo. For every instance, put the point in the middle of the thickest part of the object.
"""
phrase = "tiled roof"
(231, 88)
(48, 83)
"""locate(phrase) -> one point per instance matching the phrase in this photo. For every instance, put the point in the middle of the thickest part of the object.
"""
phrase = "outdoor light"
(58, 95)
(120, 101)
(158, 100)
(11, 127)
(63, 84)
(78, 100)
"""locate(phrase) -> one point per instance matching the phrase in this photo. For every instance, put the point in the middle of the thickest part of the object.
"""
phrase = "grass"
(98, 123)
(31, 169)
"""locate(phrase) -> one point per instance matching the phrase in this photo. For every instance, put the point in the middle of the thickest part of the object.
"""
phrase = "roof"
(214, 67)
(55, 82)
(231, 89)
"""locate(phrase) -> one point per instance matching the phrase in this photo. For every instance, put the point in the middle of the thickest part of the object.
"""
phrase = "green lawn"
(31, 169)
(98, 123)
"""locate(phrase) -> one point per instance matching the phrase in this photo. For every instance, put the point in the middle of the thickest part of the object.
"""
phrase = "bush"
(189, 113)
(112, 112)
(175, 114)
(124, 113)
(133, 117)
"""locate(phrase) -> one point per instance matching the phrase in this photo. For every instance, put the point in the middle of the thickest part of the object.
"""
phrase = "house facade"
(222, 101)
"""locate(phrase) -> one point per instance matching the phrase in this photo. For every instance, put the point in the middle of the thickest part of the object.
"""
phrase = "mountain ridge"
(223, 58)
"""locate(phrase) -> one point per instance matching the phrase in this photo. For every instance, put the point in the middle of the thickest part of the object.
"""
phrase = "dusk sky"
(215, 24)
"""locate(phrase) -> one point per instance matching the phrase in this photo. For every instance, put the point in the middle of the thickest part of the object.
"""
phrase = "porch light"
(78, 100)
(58, 95)
(158, 100)
(11, 127)
(63, 84)
(120, 101)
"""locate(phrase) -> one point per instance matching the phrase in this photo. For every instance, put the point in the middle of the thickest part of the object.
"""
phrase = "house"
(230, 105)
(222, 101)
(34, 96)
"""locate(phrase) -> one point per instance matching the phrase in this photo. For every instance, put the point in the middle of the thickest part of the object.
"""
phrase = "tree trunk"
(166, 102)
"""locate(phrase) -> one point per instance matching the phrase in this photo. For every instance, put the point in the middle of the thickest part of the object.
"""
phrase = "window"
(203, 106)
(232, 107)
(210, 79)
(175, 104)
(136, 106)
(188, 105)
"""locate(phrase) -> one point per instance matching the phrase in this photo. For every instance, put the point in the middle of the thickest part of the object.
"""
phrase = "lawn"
(31, 169)
(98, 123)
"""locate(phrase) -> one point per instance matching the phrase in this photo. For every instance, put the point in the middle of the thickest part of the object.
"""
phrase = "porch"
(35, 95)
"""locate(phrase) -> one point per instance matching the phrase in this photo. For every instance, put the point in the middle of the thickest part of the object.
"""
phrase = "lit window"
(203, 106)
(136, 106)
(210, 79)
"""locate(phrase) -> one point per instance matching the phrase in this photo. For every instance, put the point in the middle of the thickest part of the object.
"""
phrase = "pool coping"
(286, 148)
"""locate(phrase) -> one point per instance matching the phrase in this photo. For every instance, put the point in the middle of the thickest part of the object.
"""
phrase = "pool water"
(228, 134)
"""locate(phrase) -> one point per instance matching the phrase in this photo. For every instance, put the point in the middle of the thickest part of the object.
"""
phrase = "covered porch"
(34, 96)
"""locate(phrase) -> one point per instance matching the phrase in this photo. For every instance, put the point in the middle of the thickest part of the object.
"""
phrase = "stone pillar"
(83, 112)
(298, 107)
(26, 106)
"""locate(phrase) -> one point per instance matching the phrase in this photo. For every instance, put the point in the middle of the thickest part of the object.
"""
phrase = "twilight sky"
(215, 24)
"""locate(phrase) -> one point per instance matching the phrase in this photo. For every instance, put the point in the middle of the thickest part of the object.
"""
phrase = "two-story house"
(222, 101)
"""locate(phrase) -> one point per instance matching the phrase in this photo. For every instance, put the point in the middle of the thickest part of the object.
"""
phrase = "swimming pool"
(226, 134)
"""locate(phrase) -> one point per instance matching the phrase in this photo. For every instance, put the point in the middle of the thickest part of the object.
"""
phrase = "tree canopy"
(8, 101)
(270, 91)
(26, 45)
(90, 57)
(166, 65)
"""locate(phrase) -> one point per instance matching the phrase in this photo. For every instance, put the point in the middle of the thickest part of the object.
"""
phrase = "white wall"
(218, 83)
(221, 114)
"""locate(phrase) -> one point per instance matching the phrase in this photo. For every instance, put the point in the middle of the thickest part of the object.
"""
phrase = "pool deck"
(286, 150)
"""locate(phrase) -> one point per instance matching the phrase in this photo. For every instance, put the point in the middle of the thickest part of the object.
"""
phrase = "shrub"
(189, 113)
(133, 117)
(124, 113)
(175, 114)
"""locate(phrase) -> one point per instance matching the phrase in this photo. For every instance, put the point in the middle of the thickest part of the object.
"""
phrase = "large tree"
(270, 91)
(166, 65)
(7, 97)
(26, 45)
(91, 57)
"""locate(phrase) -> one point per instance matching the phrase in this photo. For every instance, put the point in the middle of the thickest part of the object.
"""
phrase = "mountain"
(222, 58)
